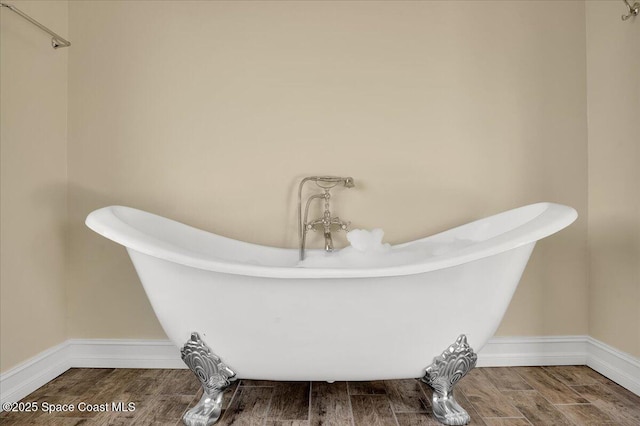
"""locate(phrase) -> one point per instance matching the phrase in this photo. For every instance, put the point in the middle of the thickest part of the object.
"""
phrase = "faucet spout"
(328, 241)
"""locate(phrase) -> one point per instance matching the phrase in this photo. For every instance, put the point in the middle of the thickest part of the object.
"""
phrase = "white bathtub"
(268, 319)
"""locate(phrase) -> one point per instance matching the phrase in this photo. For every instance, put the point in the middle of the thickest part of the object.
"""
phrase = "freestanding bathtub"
(263, 317)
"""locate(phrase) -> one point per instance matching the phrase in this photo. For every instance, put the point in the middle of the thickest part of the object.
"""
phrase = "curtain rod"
(56, 40)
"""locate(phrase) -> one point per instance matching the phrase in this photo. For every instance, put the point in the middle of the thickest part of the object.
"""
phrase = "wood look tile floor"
(515, 396)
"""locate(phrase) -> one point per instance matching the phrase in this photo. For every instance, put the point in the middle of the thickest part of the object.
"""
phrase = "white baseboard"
(618, 366)
(23, 379)
(123, 353)
(533, 351)
(28, 376)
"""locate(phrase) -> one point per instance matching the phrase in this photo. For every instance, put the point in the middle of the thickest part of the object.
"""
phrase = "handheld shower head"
(331, 181)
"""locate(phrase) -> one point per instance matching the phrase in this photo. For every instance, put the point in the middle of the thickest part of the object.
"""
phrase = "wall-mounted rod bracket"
(56, 40)
(634, 10)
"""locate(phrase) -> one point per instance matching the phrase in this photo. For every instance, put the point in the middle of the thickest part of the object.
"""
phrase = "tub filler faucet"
(327, 222)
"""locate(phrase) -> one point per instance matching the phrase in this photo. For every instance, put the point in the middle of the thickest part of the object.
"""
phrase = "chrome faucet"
(326, 222)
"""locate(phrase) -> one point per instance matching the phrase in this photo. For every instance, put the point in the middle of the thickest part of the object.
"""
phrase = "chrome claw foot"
(214, 376)
(205, 413)
(449, 412)
(442, 375)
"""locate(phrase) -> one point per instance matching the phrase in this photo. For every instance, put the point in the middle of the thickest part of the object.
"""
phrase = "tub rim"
(551, 218)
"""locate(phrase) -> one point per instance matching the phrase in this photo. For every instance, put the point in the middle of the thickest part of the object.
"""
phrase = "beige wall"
(33, 135)
(210, 112)
(613, 69)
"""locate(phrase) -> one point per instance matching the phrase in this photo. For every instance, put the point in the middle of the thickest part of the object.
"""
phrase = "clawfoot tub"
(416, 317)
